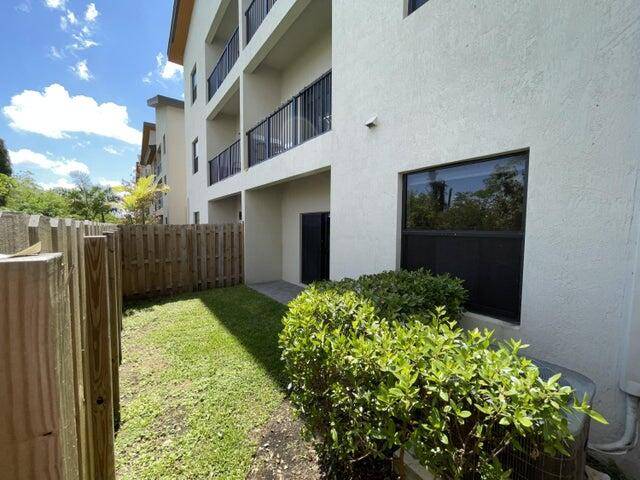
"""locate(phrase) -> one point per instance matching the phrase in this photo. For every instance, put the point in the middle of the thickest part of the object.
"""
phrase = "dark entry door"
(315, 247)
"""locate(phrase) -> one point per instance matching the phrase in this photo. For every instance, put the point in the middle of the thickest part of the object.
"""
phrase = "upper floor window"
(196, 218)
(468, 220)
(415, 4)
(164, 143)
(194, 155)
(194, 84)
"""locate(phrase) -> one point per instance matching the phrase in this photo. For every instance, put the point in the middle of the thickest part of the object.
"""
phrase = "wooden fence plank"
(37, 407)
(100, 398)
(112, 258)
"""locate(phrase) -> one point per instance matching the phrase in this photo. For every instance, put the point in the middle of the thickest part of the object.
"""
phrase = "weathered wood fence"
(168, 259)
(60, 323)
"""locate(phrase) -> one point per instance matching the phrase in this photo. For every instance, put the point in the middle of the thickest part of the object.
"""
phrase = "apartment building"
(497, 141)
(162, 155)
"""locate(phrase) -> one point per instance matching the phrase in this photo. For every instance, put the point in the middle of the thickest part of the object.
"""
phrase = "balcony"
(225, 164)
(226, 62)
(305, 116)
(255, 14)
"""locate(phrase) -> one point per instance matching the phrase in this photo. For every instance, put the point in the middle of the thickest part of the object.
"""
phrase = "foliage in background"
(403, 293)
(21, 193)
(368, 387)
(89, 201)
(139, 197)
(5, 161)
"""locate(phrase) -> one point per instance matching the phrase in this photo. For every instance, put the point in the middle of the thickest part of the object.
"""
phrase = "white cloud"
(64, 23)
(147, 78)
(112, 150)
(55, 53)
(82, 42)
(71, 17)
(60, 183)
(92, 13)
(24, 7)
(60, 167)
(166, 69)
(81, 69)
(55, 114)
(55, 3)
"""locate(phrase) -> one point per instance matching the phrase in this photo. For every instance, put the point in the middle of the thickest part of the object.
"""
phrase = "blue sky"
(75, 79)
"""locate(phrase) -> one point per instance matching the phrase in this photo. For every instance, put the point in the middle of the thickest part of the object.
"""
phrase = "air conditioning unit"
(531, 464)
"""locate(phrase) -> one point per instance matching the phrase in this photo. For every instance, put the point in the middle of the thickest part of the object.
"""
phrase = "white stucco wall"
(306, 195)
(459, 80)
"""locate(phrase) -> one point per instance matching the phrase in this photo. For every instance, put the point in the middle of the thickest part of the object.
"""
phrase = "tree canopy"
(5, 161)
(139, 197)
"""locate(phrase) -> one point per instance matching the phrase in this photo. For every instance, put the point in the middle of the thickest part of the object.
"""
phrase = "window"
(194, 85)
(415, 4)
(468, 220)
(196, 218)
(164, 143)
(194, 155)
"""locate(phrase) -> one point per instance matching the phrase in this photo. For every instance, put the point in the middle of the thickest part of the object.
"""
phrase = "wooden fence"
(168, 259)
(60, 324)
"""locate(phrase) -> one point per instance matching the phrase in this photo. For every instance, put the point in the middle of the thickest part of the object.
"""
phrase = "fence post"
(114, 324)
(100, 394)
(37, 407)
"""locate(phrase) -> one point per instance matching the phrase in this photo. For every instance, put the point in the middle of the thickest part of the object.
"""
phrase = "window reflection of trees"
(497, 206)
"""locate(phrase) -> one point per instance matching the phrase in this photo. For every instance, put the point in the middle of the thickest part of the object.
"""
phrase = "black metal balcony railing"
(305, 116)
(226, 62)
(255, 14)
(225, 164)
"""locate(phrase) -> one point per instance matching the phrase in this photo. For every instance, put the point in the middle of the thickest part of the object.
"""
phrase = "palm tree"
(139, 196)
(88, 201)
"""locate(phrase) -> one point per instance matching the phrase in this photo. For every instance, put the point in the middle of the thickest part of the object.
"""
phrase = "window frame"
(194, 84)
(412, 6)
(472, 233)
(194, 157)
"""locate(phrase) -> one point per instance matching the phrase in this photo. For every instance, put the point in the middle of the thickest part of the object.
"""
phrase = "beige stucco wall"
(225, 210)
(170, 124)
(306, 195)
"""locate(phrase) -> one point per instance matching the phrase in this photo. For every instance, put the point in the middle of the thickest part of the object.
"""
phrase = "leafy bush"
(398, 294)
(368, 387)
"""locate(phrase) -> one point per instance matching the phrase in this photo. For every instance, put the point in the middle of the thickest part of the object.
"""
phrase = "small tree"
(89, 201)
(5, 161)
(139, 196)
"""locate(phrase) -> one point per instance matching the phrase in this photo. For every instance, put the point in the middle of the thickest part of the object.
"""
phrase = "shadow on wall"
(253, 319)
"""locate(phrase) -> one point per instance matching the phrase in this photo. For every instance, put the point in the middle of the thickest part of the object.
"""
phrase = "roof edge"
(162, 100)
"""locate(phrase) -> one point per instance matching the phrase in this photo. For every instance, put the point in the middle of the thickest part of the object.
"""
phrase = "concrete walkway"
(279, 290)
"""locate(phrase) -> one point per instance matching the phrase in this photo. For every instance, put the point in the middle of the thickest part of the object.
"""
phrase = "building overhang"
(162, 101)
(148, 152)
(180, 21)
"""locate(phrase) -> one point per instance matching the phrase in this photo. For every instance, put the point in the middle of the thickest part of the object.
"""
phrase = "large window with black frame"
(467, 219)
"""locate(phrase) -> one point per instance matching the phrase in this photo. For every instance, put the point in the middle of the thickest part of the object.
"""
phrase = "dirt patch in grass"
(283, 453)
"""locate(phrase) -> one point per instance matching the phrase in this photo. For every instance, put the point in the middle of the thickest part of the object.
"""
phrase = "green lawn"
(201, 374)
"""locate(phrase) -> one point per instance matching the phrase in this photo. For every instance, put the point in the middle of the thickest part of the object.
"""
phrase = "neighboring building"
(162, 155)
(497, 141)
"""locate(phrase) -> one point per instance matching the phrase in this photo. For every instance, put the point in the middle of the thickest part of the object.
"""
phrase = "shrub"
(367, 387)
(398, 294)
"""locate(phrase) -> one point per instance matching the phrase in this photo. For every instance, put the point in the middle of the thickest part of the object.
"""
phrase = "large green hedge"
(398, 294)
(368, 386)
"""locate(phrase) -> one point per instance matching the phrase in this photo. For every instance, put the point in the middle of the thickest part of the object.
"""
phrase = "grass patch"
(201, 373)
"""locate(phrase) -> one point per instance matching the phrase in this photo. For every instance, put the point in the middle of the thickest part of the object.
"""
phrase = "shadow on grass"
(252, 318)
